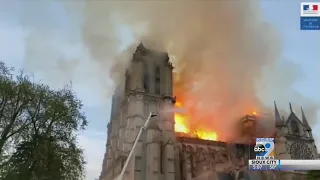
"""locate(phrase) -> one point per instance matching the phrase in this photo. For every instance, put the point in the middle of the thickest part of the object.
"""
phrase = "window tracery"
(300, 151)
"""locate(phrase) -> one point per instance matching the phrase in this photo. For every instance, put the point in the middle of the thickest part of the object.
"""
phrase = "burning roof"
(185, 128)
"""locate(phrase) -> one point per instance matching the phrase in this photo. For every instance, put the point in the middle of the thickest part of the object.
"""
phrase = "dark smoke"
(223, 51)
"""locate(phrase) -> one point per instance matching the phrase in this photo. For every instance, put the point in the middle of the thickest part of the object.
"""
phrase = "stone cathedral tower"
(148, 88)
(161, 154)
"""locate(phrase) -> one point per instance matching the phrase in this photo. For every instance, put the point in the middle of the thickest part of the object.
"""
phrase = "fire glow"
(181, 126)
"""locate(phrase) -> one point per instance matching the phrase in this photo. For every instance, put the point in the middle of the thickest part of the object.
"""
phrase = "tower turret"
(304, 121)
(147, 88)
(280, 141)
(278, 121)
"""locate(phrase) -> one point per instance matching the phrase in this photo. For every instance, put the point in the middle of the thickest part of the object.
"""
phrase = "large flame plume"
(183, 126)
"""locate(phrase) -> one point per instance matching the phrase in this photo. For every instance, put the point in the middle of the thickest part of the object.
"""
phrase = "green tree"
(38, 129)
(314, 175)
(14, 97)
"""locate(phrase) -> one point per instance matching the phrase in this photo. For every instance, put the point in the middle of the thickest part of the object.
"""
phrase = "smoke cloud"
(224, 54)
(220, 50)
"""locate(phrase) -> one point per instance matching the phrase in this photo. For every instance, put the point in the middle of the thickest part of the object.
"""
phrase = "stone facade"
(163, 155)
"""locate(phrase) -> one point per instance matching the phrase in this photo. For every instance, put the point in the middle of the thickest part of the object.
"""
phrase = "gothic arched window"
(146, 78)
(295, 127)
(128, 80)
(157, 79)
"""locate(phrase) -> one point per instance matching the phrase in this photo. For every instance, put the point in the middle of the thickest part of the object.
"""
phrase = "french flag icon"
(310, 8)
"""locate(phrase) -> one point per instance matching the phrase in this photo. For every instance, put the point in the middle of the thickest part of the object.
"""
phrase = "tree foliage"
(38, 127)
(314, 175)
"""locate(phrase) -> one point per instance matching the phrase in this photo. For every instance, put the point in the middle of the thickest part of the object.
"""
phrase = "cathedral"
(162, 154)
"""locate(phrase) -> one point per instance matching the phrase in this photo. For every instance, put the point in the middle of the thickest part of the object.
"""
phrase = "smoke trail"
(220, 50)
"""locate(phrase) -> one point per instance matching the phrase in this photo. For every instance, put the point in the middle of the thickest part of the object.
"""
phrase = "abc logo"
(260, 148)
(264, 149)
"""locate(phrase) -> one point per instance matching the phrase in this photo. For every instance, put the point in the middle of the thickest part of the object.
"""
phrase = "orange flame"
(184, 127)
(181, 126)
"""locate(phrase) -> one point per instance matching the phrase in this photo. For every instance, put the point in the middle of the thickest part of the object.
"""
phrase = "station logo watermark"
(264, 148)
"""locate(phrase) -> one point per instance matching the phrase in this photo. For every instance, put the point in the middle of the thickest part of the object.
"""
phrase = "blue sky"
(31, 23)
